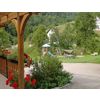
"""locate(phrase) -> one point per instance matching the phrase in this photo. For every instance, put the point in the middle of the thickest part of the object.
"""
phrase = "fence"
(6, 66)
(11, 66)
(3, 66)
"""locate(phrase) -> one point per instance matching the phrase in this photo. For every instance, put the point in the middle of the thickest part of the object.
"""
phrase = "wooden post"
(19, 20)
(20, 54)
(20, 23)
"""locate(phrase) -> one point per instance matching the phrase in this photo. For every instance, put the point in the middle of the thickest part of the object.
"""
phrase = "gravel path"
(86, 75)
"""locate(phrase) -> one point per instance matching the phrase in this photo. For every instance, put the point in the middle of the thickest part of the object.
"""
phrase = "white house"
(50, 33)
(97, 23)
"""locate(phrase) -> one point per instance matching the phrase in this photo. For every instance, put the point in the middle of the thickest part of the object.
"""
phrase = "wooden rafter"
(8, 16)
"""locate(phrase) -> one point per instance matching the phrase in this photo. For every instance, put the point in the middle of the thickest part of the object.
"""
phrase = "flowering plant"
(6, 52)
(13, 81)
(29, 83)
(28, 59)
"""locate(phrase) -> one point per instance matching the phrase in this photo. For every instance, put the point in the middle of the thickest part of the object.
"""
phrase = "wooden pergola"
(19, 19)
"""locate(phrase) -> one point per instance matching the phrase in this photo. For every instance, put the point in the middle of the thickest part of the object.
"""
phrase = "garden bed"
(46, 74)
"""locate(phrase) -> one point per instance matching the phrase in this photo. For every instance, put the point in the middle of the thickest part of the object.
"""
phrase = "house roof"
(46, 46)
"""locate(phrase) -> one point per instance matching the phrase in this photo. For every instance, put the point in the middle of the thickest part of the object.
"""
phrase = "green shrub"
(49, 73)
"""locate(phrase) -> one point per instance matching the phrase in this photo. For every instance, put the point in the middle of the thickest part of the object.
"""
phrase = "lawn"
(85, 59)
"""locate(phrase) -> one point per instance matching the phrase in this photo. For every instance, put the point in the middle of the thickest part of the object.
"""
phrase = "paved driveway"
(86, 75)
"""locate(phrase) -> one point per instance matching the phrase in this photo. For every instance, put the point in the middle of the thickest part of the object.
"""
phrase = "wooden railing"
(3, 66)
(11, 66)
(6, 66)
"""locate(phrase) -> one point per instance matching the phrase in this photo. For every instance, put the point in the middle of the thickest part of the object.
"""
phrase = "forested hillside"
(48, 19)
(70, 29)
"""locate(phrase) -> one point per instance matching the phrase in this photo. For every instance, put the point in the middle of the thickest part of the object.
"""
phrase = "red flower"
(10, 77)
(26, 56)
(33, 82)
(7, 82)
(15, 85)
(27, 78)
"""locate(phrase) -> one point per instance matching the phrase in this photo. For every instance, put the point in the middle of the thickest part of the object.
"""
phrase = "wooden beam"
(14, 21)
(2, 25)
(24, 21)
(10, 16)
(13, 15)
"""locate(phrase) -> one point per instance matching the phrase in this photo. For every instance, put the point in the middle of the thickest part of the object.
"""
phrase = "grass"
(97, 32)
(85, 59)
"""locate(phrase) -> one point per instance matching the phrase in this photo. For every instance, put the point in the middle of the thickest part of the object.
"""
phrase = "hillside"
(62, 27)
(97, 32)
(48, 19)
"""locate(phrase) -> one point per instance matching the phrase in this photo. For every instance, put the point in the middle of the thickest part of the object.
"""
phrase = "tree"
(4, 39)
(85, 25)
(63, 40)
(39, 37)
(66, 39)
(68, 36)
(10, 28)
(85, 22)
